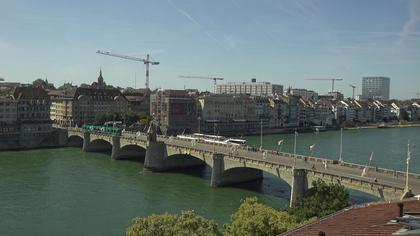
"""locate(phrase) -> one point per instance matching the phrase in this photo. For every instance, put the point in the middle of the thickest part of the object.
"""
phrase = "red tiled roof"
(369, 219)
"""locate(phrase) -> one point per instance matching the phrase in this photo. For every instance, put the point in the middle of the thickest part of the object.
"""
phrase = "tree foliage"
(323, 199)
(255, 219)
(188, 223)
(128, 118)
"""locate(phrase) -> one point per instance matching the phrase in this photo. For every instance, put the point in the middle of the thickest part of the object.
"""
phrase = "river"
(65, 191)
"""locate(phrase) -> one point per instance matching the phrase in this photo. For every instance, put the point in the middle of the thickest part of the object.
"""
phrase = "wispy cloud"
(410, 27)
(194, 21)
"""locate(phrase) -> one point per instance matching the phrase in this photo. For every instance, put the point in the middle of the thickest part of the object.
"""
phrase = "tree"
(188, 223)
(255, 219)
(323, 199)
(101, 117)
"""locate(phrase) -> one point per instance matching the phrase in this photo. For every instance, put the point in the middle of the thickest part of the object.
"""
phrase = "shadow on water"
(269, 185)
(139, 159)
(203, 172)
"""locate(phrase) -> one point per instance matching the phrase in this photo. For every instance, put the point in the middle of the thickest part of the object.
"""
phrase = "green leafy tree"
(101, 117)
(255, 219)
(323, 199)
(188, 223)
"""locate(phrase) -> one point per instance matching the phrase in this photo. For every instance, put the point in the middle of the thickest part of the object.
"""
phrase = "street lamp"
(279, 145)
(408, 165)
(199, 125)
(261, 134)
(294, 148)
(341, 146)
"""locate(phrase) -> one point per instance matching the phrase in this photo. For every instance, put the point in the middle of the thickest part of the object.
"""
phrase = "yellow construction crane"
(332, 82)
(215, 79)
(146, 61)
(353, 87)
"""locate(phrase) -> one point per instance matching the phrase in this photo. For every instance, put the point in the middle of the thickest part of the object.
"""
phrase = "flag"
(280, 142)
(312, 147)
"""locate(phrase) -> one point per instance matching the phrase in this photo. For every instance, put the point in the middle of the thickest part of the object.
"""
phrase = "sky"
(280, 41)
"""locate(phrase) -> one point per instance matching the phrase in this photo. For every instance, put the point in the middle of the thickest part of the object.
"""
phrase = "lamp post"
(279, 145)
(294, 149)
(261, 134)
(408, 166)
(341, 146)
(199, 125)
(214, 133)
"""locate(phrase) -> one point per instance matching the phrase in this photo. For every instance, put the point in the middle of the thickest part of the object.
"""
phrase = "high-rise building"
(253, 88)
(375, 88)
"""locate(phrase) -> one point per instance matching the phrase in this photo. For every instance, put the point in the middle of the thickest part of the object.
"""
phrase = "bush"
(255, 219)
(323, 199)
(188, 223)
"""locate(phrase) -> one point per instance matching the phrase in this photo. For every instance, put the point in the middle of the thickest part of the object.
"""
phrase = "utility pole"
(341, 146)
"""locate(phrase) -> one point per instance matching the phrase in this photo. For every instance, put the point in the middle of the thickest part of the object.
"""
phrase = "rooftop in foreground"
(365, 220)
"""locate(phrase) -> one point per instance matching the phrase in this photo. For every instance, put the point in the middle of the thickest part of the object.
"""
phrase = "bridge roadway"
(298, 172)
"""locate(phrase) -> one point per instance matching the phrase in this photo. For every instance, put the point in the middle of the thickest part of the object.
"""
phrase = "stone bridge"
(232, 165)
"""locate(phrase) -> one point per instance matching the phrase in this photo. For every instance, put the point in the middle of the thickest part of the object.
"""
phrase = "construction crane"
(215, 79)
(146, 61)
(332, 82)
(353, 87)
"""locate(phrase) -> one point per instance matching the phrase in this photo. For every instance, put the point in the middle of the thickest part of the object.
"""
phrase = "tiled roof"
(30, 93)
(366, 220)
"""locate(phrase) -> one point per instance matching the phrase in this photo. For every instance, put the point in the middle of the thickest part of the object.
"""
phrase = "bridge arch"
(100, 145)
(185, 160)
(131, 152)
(75, 141)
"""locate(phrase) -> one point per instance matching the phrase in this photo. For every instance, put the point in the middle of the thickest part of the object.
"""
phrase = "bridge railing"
(362, 180)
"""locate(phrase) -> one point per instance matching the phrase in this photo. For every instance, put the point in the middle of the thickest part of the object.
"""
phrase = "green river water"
(64, 191)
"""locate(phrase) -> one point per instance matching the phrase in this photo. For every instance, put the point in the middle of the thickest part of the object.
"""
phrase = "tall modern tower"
(375, 87)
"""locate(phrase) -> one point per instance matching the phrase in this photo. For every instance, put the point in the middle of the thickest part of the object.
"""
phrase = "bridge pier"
(299, 186)
(155, 156)
(217, 171)
(115, 147)
(86, 141)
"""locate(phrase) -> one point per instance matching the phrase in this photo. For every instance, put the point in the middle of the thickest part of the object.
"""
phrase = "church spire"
(101, 83)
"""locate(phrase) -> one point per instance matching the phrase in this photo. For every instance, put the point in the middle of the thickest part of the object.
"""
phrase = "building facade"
(229, 114)
(376, 88)
(253, 88)
(84, 104)
(173, 111)
(303, 93)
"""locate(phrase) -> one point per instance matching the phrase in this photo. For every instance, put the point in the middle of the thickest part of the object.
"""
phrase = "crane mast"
(332, 82)
(146, 61)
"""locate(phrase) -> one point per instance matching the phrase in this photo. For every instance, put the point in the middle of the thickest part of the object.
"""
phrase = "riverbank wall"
(55, 138)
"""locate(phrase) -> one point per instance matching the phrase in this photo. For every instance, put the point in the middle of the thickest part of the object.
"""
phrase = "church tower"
(101, 83)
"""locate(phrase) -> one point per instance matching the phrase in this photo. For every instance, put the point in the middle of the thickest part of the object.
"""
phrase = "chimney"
(400, 209)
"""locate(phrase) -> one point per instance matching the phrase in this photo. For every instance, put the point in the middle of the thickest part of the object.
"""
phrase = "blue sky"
(281, 41)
